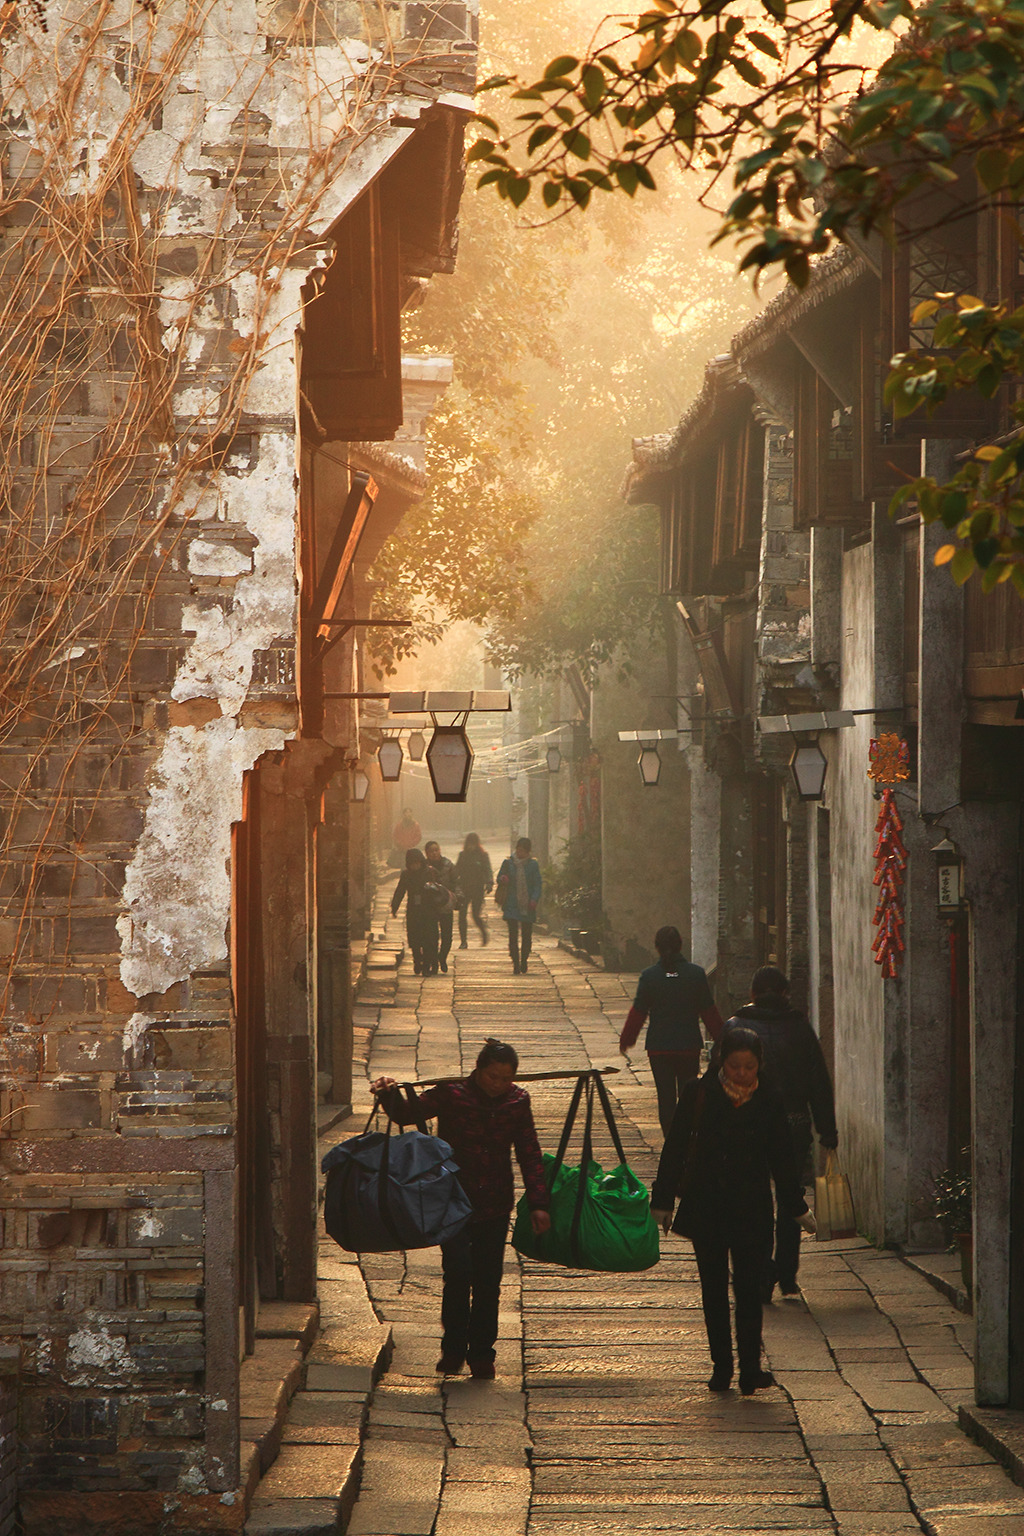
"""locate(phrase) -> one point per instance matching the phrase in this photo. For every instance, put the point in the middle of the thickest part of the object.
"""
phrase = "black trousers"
(712, 1254)
(519, 947)
(471, 1265)
(787, 1230)
(477, 904)
(421, 931)
(444, 923)
(671, 1070)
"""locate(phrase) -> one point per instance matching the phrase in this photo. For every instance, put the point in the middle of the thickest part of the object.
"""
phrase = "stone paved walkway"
(599, 1421)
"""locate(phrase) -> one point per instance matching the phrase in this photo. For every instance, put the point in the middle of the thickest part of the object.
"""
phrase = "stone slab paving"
(600, 1421)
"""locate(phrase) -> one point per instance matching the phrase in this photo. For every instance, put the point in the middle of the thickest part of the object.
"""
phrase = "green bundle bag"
(599, 1220)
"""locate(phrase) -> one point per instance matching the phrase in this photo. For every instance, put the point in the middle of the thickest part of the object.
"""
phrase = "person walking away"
(407, 833)
(442, 871)
(794, 1064)
(518, 895)
(483, 1118)
(422, 897)
(670, 997)
(475, 879)
(728, 1140)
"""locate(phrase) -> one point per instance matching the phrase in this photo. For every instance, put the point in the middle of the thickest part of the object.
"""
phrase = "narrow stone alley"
(600, 1420)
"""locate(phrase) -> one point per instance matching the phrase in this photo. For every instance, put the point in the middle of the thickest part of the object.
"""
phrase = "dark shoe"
(417, 970)
(444, 967)
(767, 1287)
(482, 1370)
(789, 1288)
(464, 945)
(515, 969)
(522, 967)
(756, 1381)
(485, 936)
(721, 1379)
(450, 1365)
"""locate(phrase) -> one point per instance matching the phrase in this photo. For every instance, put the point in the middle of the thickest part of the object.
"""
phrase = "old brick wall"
(148, 612)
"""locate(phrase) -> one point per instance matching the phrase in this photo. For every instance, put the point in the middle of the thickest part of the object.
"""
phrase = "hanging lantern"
(360, 785)
(417, 745)
(649, 763)
(808, 765)
(390, 757)
(450, 760)
(554, 759)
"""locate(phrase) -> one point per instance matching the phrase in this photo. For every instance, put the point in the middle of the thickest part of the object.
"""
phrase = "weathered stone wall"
(149, 594)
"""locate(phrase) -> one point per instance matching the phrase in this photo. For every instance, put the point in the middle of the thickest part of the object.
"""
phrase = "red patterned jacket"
(482, 1132)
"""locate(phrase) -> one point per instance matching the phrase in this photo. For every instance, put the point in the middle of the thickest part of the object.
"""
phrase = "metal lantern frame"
(390, 758)
(649, 764)
(360, 785)
(554, 758)
(417, 745)
(448, 743)
(809, 767)
(446, 737)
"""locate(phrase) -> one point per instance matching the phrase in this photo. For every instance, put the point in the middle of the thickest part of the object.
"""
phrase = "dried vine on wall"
(148, 216)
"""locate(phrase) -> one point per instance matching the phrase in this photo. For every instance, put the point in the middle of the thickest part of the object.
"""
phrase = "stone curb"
(1000, 1431)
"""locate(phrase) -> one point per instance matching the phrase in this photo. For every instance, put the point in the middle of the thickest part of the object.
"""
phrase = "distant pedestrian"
(423, 897)
(729, 1138)
(483, 1118)
(442, 871)
(518, 894)
(407, 833)
(794, 1064)
(673, 995)
(474, 878)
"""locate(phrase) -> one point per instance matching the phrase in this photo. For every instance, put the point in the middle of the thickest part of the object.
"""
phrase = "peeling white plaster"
(133, 1038)
(177, 889)
(97, 1355)
(150, 1227)
(208, 557)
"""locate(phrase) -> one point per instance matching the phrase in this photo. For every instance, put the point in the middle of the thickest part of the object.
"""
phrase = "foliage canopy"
(802, 145)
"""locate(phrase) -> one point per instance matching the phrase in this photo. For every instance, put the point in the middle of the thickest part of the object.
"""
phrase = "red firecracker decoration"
(890, 866)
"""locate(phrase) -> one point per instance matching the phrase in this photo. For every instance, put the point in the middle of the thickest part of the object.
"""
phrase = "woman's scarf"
(734, 1092)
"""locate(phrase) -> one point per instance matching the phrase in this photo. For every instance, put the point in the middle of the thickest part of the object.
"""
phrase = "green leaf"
(563, 65)
(518, 190)
(593, 82)
(577, 144)
(645, 178)
(539, 136)
(488, 122)
(985, 551)
(962, 564)
(747, 71)
(494, 83)
(627, 178)
(688, 46)
(551, 192)
(764, 44)
(479, 150)
(579, 190)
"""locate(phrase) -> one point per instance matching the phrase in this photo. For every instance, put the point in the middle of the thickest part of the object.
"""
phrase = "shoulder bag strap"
(691, 1149)
(570, 1120)
(585, 1161)
(602, 1093)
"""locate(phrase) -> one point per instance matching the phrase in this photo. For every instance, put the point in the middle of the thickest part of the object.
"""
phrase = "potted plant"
(954, 1207)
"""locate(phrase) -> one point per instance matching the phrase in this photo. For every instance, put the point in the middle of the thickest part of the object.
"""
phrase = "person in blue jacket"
(518, 894)
(673, 996)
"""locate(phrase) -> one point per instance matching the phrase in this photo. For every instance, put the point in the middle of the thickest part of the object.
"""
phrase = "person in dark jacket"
(673, 995)
(483, 1118)
(795, 1065)
(518, 895)
(729, 1139)
(424, 898)
(442, 871)
(474, 878)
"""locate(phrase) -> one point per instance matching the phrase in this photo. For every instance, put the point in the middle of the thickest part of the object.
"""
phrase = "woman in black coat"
(425, 898)
(729, 1139)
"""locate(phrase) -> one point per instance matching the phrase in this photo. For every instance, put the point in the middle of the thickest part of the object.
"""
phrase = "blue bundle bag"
(387, 1193)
